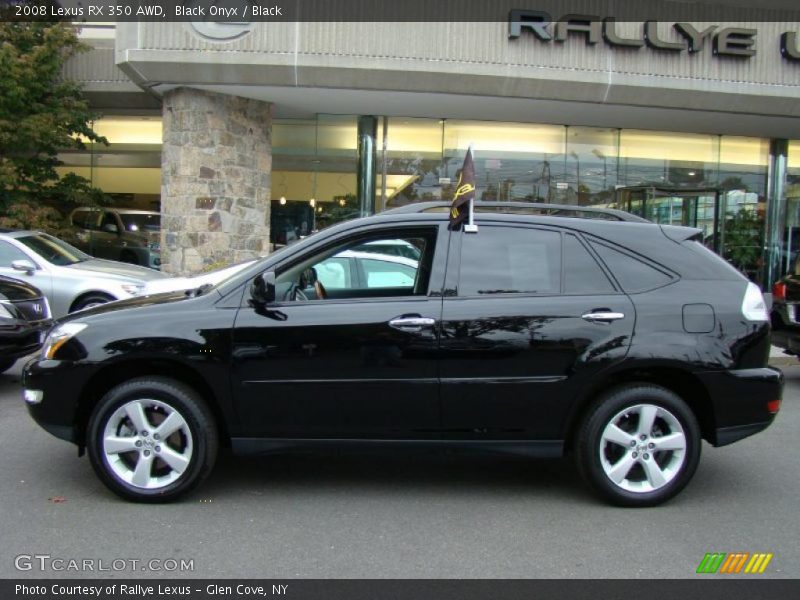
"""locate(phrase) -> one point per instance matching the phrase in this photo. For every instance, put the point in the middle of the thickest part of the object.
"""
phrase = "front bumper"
(60, 384)
(23, 338)
(740, 400)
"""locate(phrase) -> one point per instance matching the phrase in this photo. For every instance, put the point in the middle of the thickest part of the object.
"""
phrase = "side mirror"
(110, 228)
(262, 290)
(23, 265)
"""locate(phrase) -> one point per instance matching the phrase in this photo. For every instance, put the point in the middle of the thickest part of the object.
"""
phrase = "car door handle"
(412, 323)
(603, 316)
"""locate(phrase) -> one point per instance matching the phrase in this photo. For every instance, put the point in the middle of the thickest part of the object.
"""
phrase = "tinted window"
(9, 254)
(84, 218)
(631, 273)
(582, 274)
(499, 260)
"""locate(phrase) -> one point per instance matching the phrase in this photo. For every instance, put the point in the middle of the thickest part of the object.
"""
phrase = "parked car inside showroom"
(24, 319)
(619, 341)
(70, 279)
(123, 234)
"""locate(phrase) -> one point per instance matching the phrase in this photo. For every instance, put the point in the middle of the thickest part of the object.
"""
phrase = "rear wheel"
(639, 445)
(5, 365)
(152, 440)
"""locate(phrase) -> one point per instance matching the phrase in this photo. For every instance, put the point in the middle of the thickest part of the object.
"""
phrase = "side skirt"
(535, 449)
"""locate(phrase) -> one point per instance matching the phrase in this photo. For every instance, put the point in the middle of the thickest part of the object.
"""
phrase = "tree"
(40, 116)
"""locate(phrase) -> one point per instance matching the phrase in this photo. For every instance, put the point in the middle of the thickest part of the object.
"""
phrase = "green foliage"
(743, 240)
(40, 116)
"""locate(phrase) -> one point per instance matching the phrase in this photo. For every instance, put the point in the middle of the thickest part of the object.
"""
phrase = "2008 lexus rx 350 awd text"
(551, 330)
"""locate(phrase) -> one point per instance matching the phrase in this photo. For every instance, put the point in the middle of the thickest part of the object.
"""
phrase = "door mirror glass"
(110, 228)
(23, 265)
(262, 290)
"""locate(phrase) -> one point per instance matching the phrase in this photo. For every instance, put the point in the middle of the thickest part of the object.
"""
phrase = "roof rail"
(531, 208)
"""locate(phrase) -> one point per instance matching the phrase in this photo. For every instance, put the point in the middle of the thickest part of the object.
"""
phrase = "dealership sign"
(724, 41)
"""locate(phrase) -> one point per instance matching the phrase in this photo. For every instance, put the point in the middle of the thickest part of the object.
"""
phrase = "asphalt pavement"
(431, 515)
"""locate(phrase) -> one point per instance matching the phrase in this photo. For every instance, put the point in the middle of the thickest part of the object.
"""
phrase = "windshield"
(141, 222)
(53, 250)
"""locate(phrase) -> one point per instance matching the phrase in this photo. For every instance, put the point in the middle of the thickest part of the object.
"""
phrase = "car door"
(39, 277)
(532, 317)
(359, 363)
(106, 239)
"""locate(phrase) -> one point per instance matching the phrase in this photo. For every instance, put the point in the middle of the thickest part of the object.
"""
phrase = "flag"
(465, 193)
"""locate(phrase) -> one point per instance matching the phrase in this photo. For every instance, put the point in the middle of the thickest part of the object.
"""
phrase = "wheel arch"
(679, 381)
(83, 295)
(114, 374)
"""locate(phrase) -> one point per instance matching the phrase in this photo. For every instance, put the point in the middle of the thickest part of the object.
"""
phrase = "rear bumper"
(740, 401)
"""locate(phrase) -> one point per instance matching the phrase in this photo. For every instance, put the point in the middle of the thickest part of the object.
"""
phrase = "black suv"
(552, 329)
(24, 319)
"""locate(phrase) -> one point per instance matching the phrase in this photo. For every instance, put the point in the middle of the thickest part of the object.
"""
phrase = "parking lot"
(420, 515)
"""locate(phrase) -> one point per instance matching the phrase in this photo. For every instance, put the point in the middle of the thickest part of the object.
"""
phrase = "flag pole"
(471, 227)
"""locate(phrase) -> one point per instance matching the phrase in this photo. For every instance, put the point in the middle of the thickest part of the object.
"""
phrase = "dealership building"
(249, 134)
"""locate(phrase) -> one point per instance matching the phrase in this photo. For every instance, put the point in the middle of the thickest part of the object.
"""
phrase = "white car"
(175, 284)
(70, 279)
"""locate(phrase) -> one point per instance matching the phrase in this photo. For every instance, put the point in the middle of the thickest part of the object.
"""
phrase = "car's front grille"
(34, 310)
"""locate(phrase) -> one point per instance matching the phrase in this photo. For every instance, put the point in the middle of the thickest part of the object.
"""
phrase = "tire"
(117, 453)
(6, 364)
(623, 467)
(91, 300)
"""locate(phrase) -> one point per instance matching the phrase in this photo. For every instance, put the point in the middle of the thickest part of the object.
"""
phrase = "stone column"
(216, 166)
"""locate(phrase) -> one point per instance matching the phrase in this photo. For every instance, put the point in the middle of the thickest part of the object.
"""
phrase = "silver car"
(69, 278)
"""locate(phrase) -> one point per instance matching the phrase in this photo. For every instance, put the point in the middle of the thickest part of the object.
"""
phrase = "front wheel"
(639, 445)
(152, 439)
(90, 301)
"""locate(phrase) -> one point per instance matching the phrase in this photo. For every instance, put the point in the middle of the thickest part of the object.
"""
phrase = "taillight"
(753, 306)
(779, 292)
(773, 406)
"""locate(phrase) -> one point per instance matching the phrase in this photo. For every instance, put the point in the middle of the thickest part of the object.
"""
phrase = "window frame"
(672, 275)
(432, 229)
(455, 264)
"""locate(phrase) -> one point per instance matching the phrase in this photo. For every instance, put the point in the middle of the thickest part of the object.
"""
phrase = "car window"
(140, 222)
(8, 254)
(504, 260)
(108, 219)
(351, 271)
(85, 219)
(633, 274)
(383, 273)
(334, 273)
(53, 250)
(582, 273)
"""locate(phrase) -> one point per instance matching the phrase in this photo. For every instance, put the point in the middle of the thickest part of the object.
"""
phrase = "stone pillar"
(216, 166)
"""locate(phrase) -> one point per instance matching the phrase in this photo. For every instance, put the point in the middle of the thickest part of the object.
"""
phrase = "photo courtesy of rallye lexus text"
(552, 330)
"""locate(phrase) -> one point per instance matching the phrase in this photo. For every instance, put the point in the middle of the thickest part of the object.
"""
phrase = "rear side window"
(505, 260)
(84, 218)
(582, 274)
(633, 274)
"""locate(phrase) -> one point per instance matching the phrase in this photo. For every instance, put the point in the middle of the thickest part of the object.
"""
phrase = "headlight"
(133, 289)
(60, 336)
